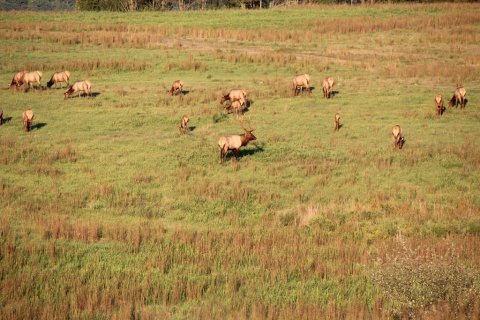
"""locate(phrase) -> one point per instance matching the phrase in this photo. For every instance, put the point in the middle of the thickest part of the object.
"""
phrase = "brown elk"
(299, 82)
(17, 79)
(234, 142)
(458, 97)
(236, 107)
(27, 119)
(29, 78)
(59, 77)
(1, 117)
(78, 87)
(328, 87)
(235, 95)
(177, 87)
(439, 104)
(398, 138)
(337, 121)
(184, 124)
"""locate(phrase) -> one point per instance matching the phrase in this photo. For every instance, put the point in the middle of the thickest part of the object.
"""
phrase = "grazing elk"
(29, 78)
(78, 87)
(337, 121)
(177, 87)
(235, 95)
(1, 117)
(439, 104)
(184, 124)
(398, 138)
(458, 97)
(17, 79)
(27, 119)
(234, 142)
(59, 77)
(328, 87)
(299, 82)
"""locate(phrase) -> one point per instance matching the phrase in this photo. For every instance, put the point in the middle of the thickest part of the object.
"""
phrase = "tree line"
(151, 5)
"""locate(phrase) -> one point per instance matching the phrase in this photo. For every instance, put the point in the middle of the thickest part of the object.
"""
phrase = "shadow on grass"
(7, 119)
(249, 152)
(83, 95)
(38, 126)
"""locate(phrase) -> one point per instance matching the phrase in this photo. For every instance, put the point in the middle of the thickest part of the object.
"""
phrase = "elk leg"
(235, 153)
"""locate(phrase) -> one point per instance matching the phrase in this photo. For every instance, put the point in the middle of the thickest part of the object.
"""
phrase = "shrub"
(415, 280)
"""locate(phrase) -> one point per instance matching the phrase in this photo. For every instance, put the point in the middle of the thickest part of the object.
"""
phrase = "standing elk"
(27, 119)
(59, 77)
(439, 105)
(1, 117)
(29, 78)
(184, 124)
(234, 142)
(235, 95)
(328, 87)
(299, 82)
(78, 87)
(177, 87)
(17, 79)
(458, 97)
(337, 121)
(236, 107)
(398, 138)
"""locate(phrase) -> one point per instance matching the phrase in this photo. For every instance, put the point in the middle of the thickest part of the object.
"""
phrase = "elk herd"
(237, 98)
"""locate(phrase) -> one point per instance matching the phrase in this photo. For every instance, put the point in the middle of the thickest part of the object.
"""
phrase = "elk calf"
(234, 142)
(184, 124)
(398, 138)
(327, 87)
(237, 106)
(337, 121)
(458, 97)
(27, 119)
(439, 105)
(177, 87)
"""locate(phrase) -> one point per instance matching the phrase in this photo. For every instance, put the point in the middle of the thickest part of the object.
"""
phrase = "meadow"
(108, 212)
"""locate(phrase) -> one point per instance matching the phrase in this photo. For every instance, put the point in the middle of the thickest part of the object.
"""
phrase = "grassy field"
(108, 212)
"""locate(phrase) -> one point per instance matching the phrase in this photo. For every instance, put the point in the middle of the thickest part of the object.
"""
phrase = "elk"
(78, 87)
(299, 82)
(398, 138)
(234, 142)
(337, 121)
(177, 87)
(1, 117)
(29, 78)
(458, 97)
(236, 107)
(59, 77)
(439, 104)
(17, 79)
(27, 119)
(328, 87)
(235, 95)
(184, 124)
